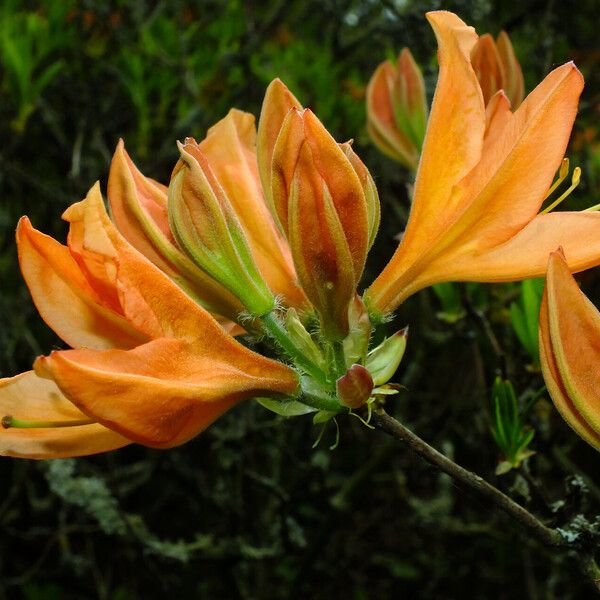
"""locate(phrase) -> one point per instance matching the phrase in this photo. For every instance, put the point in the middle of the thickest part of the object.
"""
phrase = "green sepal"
(383, 360)
(303, 340)
(323, 416)
(288, 407)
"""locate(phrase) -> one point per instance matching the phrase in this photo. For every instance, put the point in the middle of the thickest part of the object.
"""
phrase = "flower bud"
(207, 229)
(321, 205)
(303, 340)
(355, 387)
(514, 82)
(277, 104)
(486, 64)
(383, 361)
(139, 210)
(397, 109)
(230, 148)
(369, 188)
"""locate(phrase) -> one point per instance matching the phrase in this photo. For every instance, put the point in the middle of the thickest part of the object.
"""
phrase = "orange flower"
(150, 365)
(482, 179)
(397, 109)
(570, 350)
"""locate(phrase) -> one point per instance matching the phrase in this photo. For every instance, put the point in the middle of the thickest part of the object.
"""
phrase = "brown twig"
(536, 529)
(543, 534)
(547, 536)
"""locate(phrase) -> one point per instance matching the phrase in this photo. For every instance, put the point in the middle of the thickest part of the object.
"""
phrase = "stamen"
(8, 421)
(574, 183)
(562, 175)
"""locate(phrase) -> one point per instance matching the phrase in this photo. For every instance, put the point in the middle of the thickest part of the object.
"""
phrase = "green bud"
(208, 230)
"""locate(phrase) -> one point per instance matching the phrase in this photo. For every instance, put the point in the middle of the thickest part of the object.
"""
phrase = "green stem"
(317, 397)
(339, 358)
(276, 330)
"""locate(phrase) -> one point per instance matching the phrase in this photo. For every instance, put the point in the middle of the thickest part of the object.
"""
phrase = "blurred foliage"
(509, 425)
(249, 509)
(524, 316)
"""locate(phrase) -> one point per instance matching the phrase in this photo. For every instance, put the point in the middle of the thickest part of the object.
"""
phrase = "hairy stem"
(277, 331)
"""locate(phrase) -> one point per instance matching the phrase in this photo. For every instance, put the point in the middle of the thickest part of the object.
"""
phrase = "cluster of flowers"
(265, 233)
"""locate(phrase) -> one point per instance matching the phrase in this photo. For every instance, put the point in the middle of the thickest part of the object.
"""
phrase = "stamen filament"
(9, 421)
(574, 183)
(562, 175)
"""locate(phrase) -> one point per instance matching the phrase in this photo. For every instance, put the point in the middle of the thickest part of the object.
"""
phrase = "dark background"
(249, 509)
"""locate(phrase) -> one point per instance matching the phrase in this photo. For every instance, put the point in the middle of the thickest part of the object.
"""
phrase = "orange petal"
(320, 248)
(369, 188)
(506, 189)
(230, 148)
(555, 386)
(139, 210)
(525, 255)
(276, 105)
(29, 397)
(136, 205)
(574, 334)
(167, 391)
(457, 121)
(486, 63)
(514, 83)
(345, 188)
(64, 297)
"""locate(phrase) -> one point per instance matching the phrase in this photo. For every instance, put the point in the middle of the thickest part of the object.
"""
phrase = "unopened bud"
(208, 230)
(321, 205)
(355, 387)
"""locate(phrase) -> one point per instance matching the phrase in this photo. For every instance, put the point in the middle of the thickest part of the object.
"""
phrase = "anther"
(574, 183)
(562, 175)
